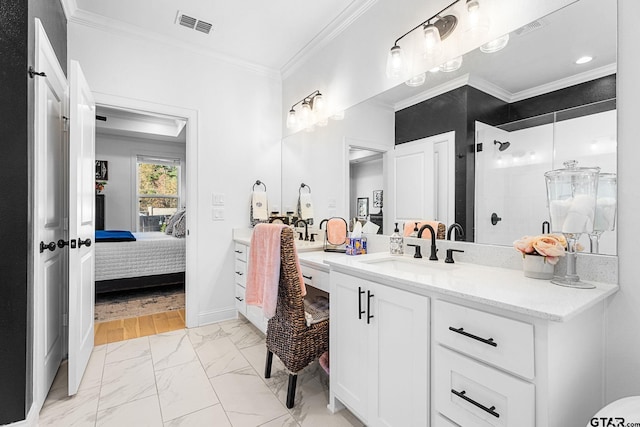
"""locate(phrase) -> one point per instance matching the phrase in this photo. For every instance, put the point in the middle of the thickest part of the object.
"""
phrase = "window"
(158, 191)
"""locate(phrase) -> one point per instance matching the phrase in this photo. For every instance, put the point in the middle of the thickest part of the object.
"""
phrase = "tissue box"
(357, 246)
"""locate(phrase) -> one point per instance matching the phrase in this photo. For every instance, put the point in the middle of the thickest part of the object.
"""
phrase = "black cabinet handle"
(240, 299)
(238, 252)
(461, 331)
(360, 310)
(462, 395)
(369, 315)
(307, 277)
(86, 242)
(238, 273)
(44, 246)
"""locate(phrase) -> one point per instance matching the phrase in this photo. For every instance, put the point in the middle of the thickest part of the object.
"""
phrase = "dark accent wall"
(16, 127)
(459, 109)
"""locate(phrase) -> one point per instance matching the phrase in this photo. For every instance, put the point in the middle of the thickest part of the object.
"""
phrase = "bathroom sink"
(410, 265)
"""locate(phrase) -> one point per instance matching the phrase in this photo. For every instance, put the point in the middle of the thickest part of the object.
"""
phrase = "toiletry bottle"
(414, 233)
(395, 242)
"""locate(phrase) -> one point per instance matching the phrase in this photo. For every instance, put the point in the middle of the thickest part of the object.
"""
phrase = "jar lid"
(571, 169)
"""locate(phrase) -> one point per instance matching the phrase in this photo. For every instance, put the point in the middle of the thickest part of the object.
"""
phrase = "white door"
(82, 113)
(423, 179)
(49, 215)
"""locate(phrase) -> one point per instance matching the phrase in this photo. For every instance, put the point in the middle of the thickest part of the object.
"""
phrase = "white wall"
(238, 134)
(119, 193)
(366, 177)
(623, 325)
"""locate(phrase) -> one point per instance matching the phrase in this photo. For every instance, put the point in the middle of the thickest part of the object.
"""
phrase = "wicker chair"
(288, 335)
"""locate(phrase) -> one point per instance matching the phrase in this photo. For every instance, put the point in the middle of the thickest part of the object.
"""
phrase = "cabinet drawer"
(241, 304)
(241, 251)
(497, 340)
(441, 421)
(240, 273)
(316, 278)
(472, 394)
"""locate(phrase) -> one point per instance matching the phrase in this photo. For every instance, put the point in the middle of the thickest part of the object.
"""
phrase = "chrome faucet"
(434, 250)
(306, 229)
(457, 230)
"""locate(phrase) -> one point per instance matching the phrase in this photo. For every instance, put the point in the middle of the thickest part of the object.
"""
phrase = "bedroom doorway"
(141, 188)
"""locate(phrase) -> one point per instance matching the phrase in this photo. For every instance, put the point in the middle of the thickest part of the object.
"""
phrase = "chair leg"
(267, 365)
(291, 391)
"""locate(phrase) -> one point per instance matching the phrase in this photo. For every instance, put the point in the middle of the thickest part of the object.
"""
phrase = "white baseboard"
(217, 316)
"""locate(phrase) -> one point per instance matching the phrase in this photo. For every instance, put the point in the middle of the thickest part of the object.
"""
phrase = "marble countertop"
(498, 287)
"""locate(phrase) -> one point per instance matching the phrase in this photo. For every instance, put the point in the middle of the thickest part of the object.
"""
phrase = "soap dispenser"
(395, 242)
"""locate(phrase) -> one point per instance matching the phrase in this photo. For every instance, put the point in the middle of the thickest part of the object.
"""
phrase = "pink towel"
(410, 225)
(264, 268)
(336, 231)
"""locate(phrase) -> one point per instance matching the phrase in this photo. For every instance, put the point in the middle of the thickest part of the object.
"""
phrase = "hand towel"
(263, 274)
(336, 231)
(259, 205)
(410, 225)
(305, 206)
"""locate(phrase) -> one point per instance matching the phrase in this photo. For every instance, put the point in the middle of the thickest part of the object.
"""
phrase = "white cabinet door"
(349, 353)
(399, 349)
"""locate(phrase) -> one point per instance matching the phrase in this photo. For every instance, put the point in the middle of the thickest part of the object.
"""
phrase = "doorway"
(141, 183)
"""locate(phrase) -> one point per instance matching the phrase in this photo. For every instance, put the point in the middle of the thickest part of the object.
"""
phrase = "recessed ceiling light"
(583, 60)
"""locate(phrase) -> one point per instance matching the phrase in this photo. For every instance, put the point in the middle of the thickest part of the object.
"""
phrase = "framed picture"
(362, 207)
(377, 198)
(102, 170)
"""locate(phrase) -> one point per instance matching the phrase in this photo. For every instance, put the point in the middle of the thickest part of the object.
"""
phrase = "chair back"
(290, 305)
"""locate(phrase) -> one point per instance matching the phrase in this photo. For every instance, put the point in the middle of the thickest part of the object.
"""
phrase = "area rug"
(139, 302)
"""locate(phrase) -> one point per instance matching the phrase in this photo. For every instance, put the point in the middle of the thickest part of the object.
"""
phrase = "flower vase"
(537, 267)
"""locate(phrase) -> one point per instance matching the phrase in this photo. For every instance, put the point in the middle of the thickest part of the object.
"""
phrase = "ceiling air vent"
(532, 26)
(193, 23)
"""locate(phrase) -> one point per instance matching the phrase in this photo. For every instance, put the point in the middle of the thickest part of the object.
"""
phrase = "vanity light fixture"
(312, 109)
(495, 45)
(435, 29)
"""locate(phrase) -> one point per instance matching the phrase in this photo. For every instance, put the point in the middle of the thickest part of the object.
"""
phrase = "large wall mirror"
(531, 94)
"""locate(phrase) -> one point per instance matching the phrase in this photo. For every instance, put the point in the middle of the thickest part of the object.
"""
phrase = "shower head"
(503, 145)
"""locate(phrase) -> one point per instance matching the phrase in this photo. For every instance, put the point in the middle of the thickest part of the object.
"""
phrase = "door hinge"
(65, 319)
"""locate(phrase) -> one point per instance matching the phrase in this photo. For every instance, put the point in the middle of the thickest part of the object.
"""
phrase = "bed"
(153, 259)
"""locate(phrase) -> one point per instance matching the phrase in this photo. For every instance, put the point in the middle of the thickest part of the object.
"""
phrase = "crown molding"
(432, 92)
(92, 20)
(490, 88)
(348, 16)
(586, 76)
(69, 7)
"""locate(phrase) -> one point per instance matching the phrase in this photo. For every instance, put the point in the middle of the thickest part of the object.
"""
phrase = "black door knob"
(51, 246)
(495, 218)
(62, 243)
(86, 242)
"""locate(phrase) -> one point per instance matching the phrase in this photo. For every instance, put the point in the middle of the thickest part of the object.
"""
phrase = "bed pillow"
(172, 221)
(114, 236)
(180, 226)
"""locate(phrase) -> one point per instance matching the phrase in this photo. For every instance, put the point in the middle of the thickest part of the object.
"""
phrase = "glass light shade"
(318, 103)
(305, 113)
(495, 45)
(396, 63)
(292, 120)
(451, 65)
(417, 80)
(432, 42)
(478, 23)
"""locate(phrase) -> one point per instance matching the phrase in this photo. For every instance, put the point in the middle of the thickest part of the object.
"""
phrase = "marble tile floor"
(207, 376)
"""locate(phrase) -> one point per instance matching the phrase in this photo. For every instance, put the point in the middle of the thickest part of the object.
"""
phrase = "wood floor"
(135, 327)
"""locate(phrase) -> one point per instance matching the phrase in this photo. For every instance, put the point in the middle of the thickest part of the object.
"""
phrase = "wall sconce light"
(311, 112)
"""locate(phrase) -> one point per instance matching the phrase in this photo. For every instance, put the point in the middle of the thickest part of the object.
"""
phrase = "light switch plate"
(217, 214)
(217, 199)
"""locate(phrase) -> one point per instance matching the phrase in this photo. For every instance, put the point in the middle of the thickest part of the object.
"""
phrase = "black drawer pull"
(461, 331)
(240, 299)
(462, 395)
(238, 252)
(307, 277)
(360, 310)
(238, 273)
(369, 315)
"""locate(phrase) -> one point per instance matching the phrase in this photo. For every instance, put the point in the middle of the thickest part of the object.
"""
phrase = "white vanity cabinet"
(379, 352)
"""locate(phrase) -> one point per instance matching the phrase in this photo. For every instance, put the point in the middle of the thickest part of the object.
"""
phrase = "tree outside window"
(158, 191)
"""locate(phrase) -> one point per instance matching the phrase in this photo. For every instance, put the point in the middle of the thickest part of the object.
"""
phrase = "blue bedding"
(114, 236)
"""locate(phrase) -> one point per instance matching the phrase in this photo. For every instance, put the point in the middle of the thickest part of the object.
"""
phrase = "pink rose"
(548, 246)
(524, 245)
